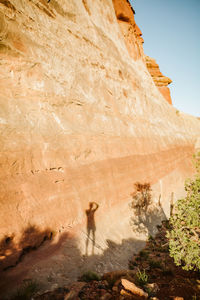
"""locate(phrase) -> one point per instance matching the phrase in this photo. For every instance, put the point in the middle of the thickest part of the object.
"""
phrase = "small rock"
(117, 282)
(107, 296)
(115, 289)
(125, 293)
(102, 292)
(115, 275)
(105, 283)
(54, 286)
(100, 286)
(130, 286)
(75, 288)
(153, 287)
(72, 295)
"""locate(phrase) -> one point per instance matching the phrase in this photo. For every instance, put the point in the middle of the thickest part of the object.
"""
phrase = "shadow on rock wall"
(146, 221)
(56, 262)
(12, 252)
(146, 214)
(17, 258)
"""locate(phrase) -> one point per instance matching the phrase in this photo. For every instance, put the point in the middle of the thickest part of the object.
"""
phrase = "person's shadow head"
(91, 226)
(91, 205)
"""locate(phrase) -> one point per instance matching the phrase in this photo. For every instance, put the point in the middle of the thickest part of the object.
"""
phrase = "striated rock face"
(130, 31)
(133, 39)
(159, 79)
(81, 120)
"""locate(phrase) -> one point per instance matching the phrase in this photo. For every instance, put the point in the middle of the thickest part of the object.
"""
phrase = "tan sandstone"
(81, 120)
(160, 80)
(130, 286)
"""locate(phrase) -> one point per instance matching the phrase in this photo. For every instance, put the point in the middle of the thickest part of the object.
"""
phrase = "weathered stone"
(107, 296)
(115, 288)
(130, 286)
(115, 276)
(72, 295)
(54, 286)
(153, 287)
(130, 31)
(57, 294)
(125, 293)
(160, 80)
(74, 290)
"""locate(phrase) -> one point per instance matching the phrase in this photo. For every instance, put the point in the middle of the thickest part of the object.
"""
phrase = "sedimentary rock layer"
(160, 81)
(81, 120)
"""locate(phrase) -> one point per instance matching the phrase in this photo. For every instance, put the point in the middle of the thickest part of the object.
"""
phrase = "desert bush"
(144, 254)
(26, 290)
(89, 276)
(150, 238)
(142, 196)
(141, 278)
(155, 264)
(184, 235)
(132, 265)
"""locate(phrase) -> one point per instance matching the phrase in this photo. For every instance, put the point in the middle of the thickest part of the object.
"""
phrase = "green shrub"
(138, 258)
(155, 264)
(26, 290)
(132, 265)
(141, 277)
(89, 276)
(143, 254)
(184, 235)
(150, 238)
(163, 249)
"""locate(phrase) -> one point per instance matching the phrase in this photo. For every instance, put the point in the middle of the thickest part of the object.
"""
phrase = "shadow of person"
(91, 226)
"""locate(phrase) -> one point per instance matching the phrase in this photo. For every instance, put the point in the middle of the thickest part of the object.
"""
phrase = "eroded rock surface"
(81, 121)
(160, 80)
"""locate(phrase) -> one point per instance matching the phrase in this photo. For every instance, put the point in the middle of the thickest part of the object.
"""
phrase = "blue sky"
(171, 32)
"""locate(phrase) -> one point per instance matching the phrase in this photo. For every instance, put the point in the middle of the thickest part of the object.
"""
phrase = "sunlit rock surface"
(160, 81)
(81, 120)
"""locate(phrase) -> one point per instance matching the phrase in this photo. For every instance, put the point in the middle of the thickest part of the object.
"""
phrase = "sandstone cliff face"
(133, 39)
(81, 120)
(130, 31)
(160, 81)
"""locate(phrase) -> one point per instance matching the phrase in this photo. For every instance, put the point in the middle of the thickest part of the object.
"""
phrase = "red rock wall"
(130, 31)
(81, 120)
(165, 91)
(134, 42)
(159, 79)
